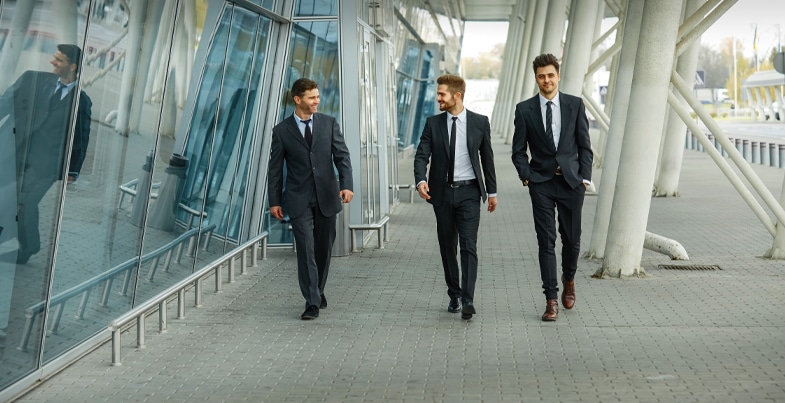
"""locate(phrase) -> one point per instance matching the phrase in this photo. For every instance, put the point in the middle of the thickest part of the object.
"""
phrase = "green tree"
(485, 65)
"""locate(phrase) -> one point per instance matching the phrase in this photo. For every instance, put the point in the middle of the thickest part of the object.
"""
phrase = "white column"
(65, 23)
(672, 153)
(612, 153)
(577, 56)
(512, 51)
(524, 91)
(646, 112)
(518, 73)
(554, 28)
(132, 55)
(148, 52)
(777, 250)
(9, 57)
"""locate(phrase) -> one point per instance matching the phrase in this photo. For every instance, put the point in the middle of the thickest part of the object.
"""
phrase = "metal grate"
(694, 267)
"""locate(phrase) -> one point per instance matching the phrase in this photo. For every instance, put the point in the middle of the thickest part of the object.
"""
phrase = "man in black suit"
(554, 128)
(310, 144)
(39, 106)
(458, 145)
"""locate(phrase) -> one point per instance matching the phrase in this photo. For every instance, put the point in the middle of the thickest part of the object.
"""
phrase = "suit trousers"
(314, 235)
(548, 198)
(28, 220)
(457, 222)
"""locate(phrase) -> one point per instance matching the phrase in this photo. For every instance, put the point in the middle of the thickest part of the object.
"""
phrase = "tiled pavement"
(673, 335)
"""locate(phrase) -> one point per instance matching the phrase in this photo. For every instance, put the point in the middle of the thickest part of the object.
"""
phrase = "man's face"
(445, 98)
(309, 102)
(547, 80)
(61, 67)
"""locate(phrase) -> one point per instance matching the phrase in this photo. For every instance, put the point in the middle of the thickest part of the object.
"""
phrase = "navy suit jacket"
(435, 145)
(309, 168)
(41, 125)
(574, 155)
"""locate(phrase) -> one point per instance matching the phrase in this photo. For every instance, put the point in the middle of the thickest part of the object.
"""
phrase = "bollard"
(755, 152)
(774, 157)
(782, 156)
(745, 150)
(738, 146)
(764, 153)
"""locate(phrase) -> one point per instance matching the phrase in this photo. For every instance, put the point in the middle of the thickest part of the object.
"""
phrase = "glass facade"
(149, 161)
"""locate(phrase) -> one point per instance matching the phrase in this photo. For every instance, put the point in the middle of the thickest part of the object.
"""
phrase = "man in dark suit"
(458, 145)
(554, 128)
(39, 106)
(310, 144)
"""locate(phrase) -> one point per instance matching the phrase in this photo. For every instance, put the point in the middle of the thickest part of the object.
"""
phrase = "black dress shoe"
(312, 312)
(468, 310)
(324, 302)
(454, 306)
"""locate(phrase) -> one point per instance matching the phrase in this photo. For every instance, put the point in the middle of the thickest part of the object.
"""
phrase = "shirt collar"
(544, 100)
(302, 120)
(69, 86)
(461, 116)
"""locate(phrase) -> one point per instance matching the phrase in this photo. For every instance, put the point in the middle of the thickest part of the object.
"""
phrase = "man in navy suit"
(554, 128)
(458, 145)
(312, 147)
(40, 109)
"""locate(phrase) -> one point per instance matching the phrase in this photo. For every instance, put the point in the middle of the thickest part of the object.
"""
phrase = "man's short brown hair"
(301, 86)
(453, 82)
(545, 59)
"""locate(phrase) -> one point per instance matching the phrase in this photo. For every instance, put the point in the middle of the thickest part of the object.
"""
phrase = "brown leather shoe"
(568, 295)
(551, 310)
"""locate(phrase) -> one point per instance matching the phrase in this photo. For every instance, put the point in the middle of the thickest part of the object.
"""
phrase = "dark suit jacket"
(574, 154)
(435, 145)
(41, 125)
(309, 168)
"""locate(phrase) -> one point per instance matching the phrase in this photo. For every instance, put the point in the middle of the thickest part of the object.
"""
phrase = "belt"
(558, 171)
(457, 184)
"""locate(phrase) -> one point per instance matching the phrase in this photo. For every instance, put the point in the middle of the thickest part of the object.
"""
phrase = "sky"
(739, 21)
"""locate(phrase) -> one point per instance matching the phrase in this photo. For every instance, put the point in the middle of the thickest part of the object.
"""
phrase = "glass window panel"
(38, 130)
(316, 8)
(313, 54)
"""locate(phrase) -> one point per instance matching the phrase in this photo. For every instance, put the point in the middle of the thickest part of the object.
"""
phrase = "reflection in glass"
(316, 8)
(43, 143)
(313, 54)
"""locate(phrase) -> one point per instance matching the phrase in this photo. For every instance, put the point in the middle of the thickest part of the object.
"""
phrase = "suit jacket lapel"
(566, 111)
(445, 134)
(295, 131)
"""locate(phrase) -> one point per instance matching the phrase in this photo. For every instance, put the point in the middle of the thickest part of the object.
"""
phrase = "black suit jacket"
(574, 155)
(435, 145)
(41, 125)
(309, 168)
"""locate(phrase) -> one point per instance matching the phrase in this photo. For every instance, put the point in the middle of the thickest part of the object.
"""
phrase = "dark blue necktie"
(308, 135)
(549, 121)
(58, 92)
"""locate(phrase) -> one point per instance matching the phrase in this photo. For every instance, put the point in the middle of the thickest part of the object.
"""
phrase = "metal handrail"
(159, 301)
(85, 288)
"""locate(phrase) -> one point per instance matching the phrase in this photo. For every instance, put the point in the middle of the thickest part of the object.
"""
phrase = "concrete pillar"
(646, 112)
(778, 92)
(516, 38)
(672, 152)
(554, 28)
(65, 23)
(577, 55)
(152, 23)
(9, 57)
(132, 55)
(767, 105)
(612, 152)
(522, 69)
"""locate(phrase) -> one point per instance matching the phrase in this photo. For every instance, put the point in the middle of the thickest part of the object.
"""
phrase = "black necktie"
(308, 135)
(58, 92)
(549, 121)
(451, 172)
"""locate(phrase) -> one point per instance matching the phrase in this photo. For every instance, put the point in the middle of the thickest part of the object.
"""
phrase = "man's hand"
(492, 202)
(277, 212)
(346, 195)
(423, 191)
(71, 179)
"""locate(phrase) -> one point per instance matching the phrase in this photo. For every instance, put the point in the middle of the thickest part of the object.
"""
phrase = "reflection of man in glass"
(39, 107)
